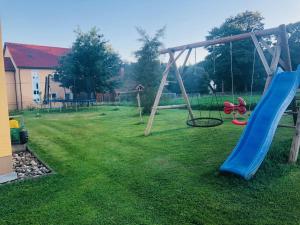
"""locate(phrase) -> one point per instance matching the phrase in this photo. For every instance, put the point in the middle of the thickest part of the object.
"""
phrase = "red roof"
(35, 56)
(8, 65)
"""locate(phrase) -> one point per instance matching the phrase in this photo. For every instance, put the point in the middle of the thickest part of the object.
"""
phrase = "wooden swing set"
(280, 56)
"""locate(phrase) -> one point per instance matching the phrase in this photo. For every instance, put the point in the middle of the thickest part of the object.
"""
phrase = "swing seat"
(240, 108)
(239, 123)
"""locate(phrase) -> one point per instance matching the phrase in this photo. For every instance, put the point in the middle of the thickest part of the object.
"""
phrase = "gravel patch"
(26, 165)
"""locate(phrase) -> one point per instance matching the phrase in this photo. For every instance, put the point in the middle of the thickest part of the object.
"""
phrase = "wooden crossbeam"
(286, 126)
(238, 37)
(172, 106)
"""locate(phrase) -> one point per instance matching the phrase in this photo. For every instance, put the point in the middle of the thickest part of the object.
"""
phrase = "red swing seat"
(240, 108)
(239, 123)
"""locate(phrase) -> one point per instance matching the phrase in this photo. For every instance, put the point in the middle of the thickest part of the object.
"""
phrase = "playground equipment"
(230, 108)
(6, 169)
(209, 120)
(256, 139)
(286, 81)
(241, 107)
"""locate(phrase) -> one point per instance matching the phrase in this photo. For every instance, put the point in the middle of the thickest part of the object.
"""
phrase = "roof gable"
(8, 65)
(35, 56)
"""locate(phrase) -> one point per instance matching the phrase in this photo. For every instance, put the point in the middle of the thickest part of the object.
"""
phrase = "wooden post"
(139, 106)
(285, 47)
(295, 143)
(286, 57)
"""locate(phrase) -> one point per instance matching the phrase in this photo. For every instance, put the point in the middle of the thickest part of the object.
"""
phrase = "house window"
(36, 86)
(67, 96)
(53, 96)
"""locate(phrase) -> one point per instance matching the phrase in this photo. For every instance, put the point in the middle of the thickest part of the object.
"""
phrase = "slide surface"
(256, 139)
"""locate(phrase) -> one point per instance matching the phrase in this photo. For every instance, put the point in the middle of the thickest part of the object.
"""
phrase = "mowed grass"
(107, 172)
(201, 101)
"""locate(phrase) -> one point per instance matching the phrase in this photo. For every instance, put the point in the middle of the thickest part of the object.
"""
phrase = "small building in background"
(26, 69)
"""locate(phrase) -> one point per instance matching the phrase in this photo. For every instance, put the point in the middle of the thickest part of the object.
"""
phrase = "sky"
(53, 22)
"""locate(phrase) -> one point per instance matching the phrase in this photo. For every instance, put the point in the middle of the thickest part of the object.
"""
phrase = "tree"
(147, 69)
(195, 79)
(128, 81)
(242, 53)
(91, 66)
(294, 43)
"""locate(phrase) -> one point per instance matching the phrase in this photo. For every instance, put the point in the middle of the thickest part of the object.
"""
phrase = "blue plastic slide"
(256, 139)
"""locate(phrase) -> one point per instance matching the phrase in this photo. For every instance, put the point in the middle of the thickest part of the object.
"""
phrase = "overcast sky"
(53, 22)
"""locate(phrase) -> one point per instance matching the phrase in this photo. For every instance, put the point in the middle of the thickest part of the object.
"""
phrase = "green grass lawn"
(107, 172)
(203, 102)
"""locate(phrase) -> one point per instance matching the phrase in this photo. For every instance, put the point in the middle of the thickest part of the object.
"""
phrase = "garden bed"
(27, 165)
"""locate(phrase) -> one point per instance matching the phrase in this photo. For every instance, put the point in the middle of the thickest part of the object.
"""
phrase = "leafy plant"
(90, 67)
(147, 70)
(242, 53)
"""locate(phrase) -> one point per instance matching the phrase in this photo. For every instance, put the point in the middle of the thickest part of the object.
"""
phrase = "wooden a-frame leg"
(182, 88)
(157, 98)
(261, 54)
(272, 52)
(273, 66)
(161, 88)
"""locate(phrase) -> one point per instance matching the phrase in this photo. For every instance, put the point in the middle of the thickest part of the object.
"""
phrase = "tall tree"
(196, 79)
(91, 66)
(242, 53)
(147, 69)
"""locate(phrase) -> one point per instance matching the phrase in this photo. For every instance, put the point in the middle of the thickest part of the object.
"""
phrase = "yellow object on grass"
(14, 123)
